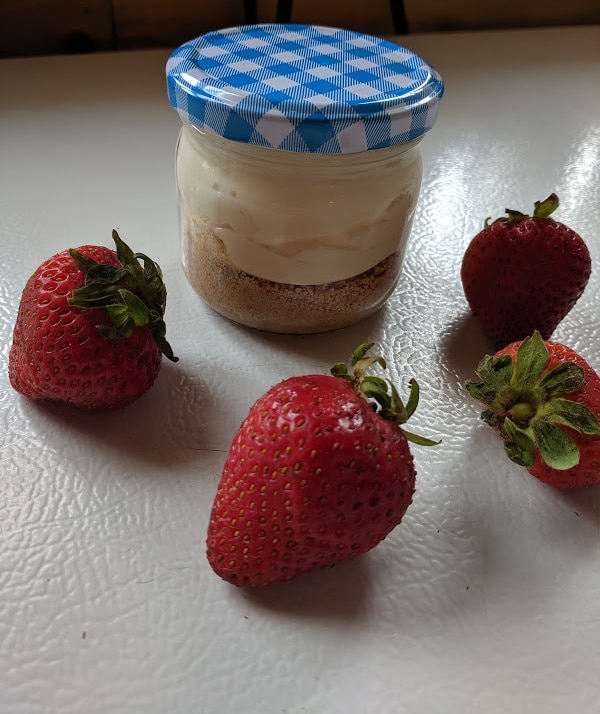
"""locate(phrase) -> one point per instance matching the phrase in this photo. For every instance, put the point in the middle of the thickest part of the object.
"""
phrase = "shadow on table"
(463, 346)
(330, 347)
(166, 425)
(340, 592)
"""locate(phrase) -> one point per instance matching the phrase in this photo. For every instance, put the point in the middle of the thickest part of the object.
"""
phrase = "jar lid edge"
(304, 88)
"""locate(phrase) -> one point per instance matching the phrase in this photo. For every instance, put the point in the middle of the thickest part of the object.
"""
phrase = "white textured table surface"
(486, 599)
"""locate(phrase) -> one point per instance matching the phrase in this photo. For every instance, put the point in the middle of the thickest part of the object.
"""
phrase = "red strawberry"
(318, 473)
(544, 401)
(90, 328)
(523, 273)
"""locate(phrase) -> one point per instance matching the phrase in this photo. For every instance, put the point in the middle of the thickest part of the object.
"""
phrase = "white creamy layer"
(300, 219)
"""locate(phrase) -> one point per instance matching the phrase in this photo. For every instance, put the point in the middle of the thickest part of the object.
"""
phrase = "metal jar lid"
(304, 88)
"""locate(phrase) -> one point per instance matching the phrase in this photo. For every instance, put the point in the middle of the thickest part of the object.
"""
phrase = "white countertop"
(486, 599)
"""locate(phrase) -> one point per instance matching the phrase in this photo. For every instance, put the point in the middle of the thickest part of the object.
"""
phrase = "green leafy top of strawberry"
(527, 404)
(542, 209)
(134, 294)
(379, 393)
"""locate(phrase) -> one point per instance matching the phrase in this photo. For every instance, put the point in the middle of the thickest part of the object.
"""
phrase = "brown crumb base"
(282, 307)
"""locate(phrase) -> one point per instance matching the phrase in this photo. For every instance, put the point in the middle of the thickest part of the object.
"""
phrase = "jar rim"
(303, 88)
(247, 151)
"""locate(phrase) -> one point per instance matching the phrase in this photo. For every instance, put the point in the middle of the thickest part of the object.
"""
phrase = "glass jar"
(297, 179)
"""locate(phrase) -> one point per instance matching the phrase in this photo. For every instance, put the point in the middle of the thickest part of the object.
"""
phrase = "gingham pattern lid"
(303, 88)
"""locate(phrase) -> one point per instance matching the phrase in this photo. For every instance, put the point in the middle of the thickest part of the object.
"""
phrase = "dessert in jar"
(298, 170)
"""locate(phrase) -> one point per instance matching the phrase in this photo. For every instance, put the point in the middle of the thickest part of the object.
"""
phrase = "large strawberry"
(90, 329)
(319, 472)
(523, 273)
(544, 401)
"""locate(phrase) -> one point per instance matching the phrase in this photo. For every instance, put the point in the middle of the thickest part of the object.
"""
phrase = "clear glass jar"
(298, 170)
(293, 242)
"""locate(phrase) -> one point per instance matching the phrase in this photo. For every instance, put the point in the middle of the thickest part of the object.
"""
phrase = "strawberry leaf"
(572, 414)
(495, 373)
(158, 330)
(94, 294)
(543, 209)
(125, 255)
(532, 359)
(413, 398)
(481, 392)
(420, 440)
(136, 308)
(122, 326)
(360, 352)
(516, 453)
(377, 389)
(153, 277)
(108, 275)
(375, 384)
(83, 262)
(518, 435)
(340, 369)
(556, 447)
(397, 411)
(514, 215)
(565, 378)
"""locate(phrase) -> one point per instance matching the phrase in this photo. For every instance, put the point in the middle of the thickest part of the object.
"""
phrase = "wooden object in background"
(47, 27)
(140, 23)
(373, 16)
(444, 15)
(29, 27)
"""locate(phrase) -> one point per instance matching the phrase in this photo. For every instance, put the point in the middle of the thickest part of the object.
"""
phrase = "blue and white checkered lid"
(303, 88)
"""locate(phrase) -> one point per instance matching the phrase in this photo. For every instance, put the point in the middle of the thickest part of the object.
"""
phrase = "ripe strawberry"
(544, 401)
(523, 273)
(318, 473)
(89, 329)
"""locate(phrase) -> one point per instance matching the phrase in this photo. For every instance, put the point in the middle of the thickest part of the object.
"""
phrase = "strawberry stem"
(542, 209)
(134, 295)
(545, 208)
(379, 393)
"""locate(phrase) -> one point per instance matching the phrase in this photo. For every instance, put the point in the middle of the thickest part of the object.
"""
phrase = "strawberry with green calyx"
(90, 328)
(523, 273)
(318, 473)
(544, 401)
